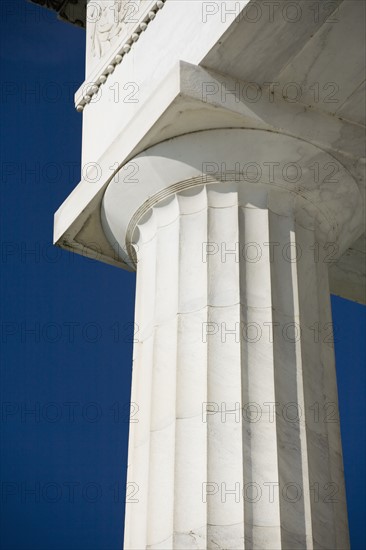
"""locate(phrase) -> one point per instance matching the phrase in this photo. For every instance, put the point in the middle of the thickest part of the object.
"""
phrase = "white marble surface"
(210, 475)
(336, 208)
(195, 347)
(176, 107)
(194, 67)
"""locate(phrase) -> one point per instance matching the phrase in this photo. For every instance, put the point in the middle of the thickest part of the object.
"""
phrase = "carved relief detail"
(121, 21)
(109, 19)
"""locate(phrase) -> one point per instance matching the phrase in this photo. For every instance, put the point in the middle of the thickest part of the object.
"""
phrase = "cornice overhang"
(72, 11)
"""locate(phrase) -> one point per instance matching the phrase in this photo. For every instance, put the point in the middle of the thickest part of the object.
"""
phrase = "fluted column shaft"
(237, 444)
(238, 441)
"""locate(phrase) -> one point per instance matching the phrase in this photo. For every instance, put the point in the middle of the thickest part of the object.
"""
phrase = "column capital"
(296, 176)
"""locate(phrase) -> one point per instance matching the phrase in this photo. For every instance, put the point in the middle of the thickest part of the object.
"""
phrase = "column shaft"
(237, 444)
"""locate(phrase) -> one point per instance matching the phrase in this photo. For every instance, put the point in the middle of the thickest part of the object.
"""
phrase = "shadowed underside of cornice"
(72, 11)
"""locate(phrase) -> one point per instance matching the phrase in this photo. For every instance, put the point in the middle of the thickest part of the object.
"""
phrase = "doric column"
(237, 443)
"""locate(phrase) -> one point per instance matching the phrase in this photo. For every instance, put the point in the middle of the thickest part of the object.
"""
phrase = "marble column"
(237, 443)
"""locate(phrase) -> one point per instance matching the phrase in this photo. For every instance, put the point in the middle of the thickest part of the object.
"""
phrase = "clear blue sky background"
(74, 371)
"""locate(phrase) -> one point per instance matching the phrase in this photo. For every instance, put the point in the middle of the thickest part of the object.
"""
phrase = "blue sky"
(66, 320)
